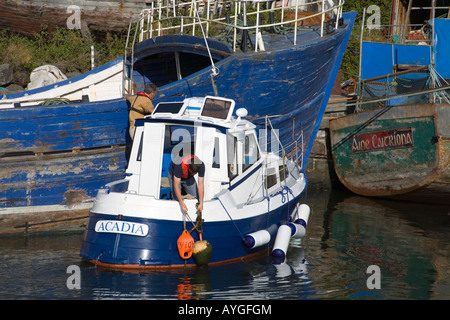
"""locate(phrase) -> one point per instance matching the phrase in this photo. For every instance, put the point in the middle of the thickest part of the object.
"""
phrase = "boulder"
(6, 74)
(21, 77)
(13, 88)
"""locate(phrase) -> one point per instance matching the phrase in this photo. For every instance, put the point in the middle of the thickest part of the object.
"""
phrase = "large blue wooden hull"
(50, 152)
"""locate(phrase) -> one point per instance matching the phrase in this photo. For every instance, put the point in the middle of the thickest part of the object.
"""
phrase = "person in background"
(141, 105)
(182, 175)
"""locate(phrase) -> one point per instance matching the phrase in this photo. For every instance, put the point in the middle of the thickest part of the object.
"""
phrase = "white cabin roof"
(209, 110)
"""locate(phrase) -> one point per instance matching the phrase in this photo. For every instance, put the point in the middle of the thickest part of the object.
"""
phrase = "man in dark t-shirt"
(182, 175)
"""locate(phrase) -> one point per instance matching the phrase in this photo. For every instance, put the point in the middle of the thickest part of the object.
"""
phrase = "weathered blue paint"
(62, 149)
(63, 127)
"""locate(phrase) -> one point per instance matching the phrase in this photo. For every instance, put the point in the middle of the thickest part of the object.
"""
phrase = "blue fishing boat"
(251, 196)
(270, 58)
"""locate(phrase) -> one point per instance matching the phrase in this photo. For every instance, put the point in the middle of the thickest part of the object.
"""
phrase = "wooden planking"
(43, 181)
(27, 17)
(62, 127)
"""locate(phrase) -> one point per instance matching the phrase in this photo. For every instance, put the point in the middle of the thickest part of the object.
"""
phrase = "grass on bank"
(64, 48)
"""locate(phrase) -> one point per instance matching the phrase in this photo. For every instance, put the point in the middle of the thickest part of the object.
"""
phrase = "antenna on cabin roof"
(214, 69)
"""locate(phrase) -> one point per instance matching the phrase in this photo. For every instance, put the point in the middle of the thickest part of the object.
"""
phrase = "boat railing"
(427, 86)
(442, 97)
(293, 150)
(187, 17)
(406, 33)
(387, 33)
(228, 20)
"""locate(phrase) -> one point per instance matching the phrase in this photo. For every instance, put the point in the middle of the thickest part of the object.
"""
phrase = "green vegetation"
(64, 48)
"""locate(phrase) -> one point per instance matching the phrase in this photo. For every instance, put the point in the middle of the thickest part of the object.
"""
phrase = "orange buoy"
(185, 245)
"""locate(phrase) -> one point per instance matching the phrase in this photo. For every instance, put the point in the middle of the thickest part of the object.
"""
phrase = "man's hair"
(194, 164)
(150, 88)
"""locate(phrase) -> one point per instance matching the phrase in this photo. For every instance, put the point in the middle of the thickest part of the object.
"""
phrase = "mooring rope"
(231, 219)
(214, 69)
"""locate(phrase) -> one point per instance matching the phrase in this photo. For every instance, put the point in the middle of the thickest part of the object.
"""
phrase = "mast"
(407, 22)
(360, 88)
(432, 47)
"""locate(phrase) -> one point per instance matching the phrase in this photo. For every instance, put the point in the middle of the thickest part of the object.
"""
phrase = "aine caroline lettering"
(386, 139)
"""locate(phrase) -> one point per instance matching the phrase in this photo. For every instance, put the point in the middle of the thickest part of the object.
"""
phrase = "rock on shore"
(11, 80)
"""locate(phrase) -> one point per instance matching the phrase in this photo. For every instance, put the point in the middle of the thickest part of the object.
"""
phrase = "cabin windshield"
(251, 151)
(168, 107)
(239, 162)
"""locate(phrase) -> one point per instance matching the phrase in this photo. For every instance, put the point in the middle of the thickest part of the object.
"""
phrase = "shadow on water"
(345, 235)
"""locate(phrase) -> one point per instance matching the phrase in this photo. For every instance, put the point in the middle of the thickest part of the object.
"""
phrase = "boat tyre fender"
(185, 245)
(202, 252)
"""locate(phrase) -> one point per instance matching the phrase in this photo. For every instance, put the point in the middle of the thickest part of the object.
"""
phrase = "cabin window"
(139, 154)
(216, 108)
(271, 177)
(283, 172)
(251, 152)
(232, 157)
(168, 107)
(216, 154)
(181, 134)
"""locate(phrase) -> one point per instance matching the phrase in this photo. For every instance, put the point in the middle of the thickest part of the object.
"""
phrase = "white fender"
(281, 242)
(297, 230)
(256, 239)
(303, 215)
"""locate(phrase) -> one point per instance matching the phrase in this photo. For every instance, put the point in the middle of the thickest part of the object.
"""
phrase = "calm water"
(346, 234)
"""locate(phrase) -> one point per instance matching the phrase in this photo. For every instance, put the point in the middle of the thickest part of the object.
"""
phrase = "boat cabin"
(205, 127)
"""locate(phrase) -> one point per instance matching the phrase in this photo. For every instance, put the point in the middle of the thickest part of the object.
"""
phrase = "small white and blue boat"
(251, 198)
